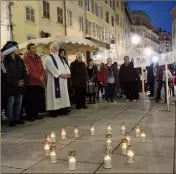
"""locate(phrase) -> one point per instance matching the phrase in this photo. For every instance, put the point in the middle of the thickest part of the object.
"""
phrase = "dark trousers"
(80, 96)
(160, 86)
(100, 88)
(109, 92)
(151, 85)
(33, 101)
(131, 90)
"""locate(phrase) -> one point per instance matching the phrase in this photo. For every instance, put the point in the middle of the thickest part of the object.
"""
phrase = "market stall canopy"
(70, 43)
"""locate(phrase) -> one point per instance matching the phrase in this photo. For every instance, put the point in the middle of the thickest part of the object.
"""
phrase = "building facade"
(102, 22)
(165, 40)
(144, 27)
(174, 32)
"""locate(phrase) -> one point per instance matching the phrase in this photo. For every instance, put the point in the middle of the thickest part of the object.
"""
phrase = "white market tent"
(71, 44)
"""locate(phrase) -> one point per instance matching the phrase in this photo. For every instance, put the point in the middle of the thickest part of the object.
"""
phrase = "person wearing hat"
(14, 82)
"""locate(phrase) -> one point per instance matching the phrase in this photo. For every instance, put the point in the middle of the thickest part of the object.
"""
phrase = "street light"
(155, 59)
(136, 39)
(148, 51)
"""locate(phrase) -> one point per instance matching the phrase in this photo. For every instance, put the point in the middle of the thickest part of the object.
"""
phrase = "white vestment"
(53, 103)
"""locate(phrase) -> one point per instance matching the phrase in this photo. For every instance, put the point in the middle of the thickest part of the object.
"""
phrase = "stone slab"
(10, 170)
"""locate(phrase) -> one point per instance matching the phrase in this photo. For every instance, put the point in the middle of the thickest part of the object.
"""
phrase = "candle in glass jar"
(92, 130)
(123, 128)
(138, 132)
(109, 129)
(63, 134)
(143, 136)
(128, 137)
(109, 141)
(124, 145)
(107, 162)
(53, 156)
(53, 137)
(72, 163)
(47, 138)
(130, 155)
(76, 132)
(47, 149)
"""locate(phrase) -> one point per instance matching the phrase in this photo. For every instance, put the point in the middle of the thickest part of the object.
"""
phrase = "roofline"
(128, 15)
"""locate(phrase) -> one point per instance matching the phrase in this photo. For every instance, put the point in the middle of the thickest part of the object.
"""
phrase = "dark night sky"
(158, 11)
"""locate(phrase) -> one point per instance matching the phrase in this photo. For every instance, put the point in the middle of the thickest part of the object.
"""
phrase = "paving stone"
(10, 170)
(61, 167)
(143, 164)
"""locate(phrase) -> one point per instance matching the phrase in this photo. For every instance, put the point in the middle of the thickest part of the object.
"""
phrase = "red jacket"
(102, 76)
(35, 69)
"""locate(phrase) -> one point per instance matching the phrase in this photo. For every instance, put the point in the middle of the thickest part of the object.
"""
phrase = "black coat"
(79, 74)
(15, 71)
(127, 73)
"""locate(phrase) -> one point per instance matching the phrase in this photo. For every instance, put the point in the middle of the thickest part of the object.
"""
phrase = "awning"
(70, 43)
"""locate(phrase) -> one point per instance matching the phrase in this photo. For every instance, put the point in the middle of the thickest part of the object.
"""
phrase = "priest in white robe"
(57, 96)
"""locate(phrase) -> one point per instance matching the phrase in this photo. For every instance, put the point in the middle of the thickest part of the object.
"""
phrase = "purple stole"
(56, 80)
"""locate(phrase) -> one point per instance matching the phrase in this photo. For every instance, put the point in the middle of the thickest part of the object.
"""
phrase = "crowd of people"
(26, 79)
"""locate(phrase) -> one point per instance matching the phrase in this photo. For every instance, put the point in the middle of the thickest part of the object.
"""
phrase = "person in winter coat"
(129, 79)
(92, 81)
(102, 79)
(15, 79)
(79, 78)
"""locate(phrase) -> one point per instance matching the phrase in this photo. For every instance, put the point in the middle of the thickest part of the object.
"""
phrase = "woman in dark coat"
(14, 82)
(92, 81)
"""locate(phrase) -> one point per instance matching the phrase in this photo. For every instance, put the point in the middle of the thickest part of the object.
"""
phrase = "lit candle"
(130, 155)
(47, 149)
(124, 145)
(76, 132)
(53, 155)
(63, 134)
(72, 160)
(92, 130)
(53, 137)
(143, 136)
(128, 137)
(123, 128)
(109, 129)
(107, 160)
(138, 132)
(48, 138)
(109, 141)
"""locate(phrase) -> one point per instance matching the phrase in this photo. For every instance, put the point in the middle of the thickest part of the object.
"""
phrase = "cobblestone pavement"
(22, 147)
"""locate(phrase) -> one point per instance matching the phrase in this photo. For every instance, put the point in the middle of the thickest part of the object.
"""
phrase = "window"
(29, 37)
(167, 50)
(101, 12)
(93, 7)
(122, 6)
(96, 10)
(118, 38)
(117, 19)
(81, 23)
(30, 14)
(87, 5)
(106, 1)
(93, 30)
(110, 3)
(112, 20)
(59, 15)
(44, 35)
(69, 17)
(46, 9)
(121, 22)
(80, 3)
(113, 4)
(107, 17)
(117, 3)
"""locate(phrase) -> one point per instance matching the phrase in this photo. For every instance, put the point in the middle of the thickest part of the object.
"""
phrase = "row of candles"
(126, 145)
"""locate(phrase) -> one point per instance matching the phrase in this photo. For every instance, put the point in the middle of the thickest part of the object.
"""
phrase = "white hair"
(79, 54)
(108, 59)
(54, 44)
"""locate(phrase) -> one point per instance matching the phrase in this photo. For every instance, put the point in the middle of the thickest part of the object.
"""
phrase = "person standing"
(58, 72)
(35, 79)
(128, 77)
(91, 84)
(79, 78)
(15, 79)
(110, 88)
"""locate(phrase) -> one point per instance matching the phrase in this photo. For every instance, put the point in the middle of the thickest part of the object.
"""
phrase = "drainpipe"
(65, 17)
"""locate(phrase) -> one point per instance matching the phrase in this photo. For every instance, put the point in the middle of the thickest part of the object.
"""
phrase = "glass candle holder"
(72, 160)
(63, 134)
(47, 148)
(123, 128)
(130, 155)
(107, 160)
(47, 138)
(128, 137)
(143, 136)
(53, 137)
(76, 132)
(108, 128)
(109, 141)
(124, 145)
(53, 155)
(138, 131)
(92, 130)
